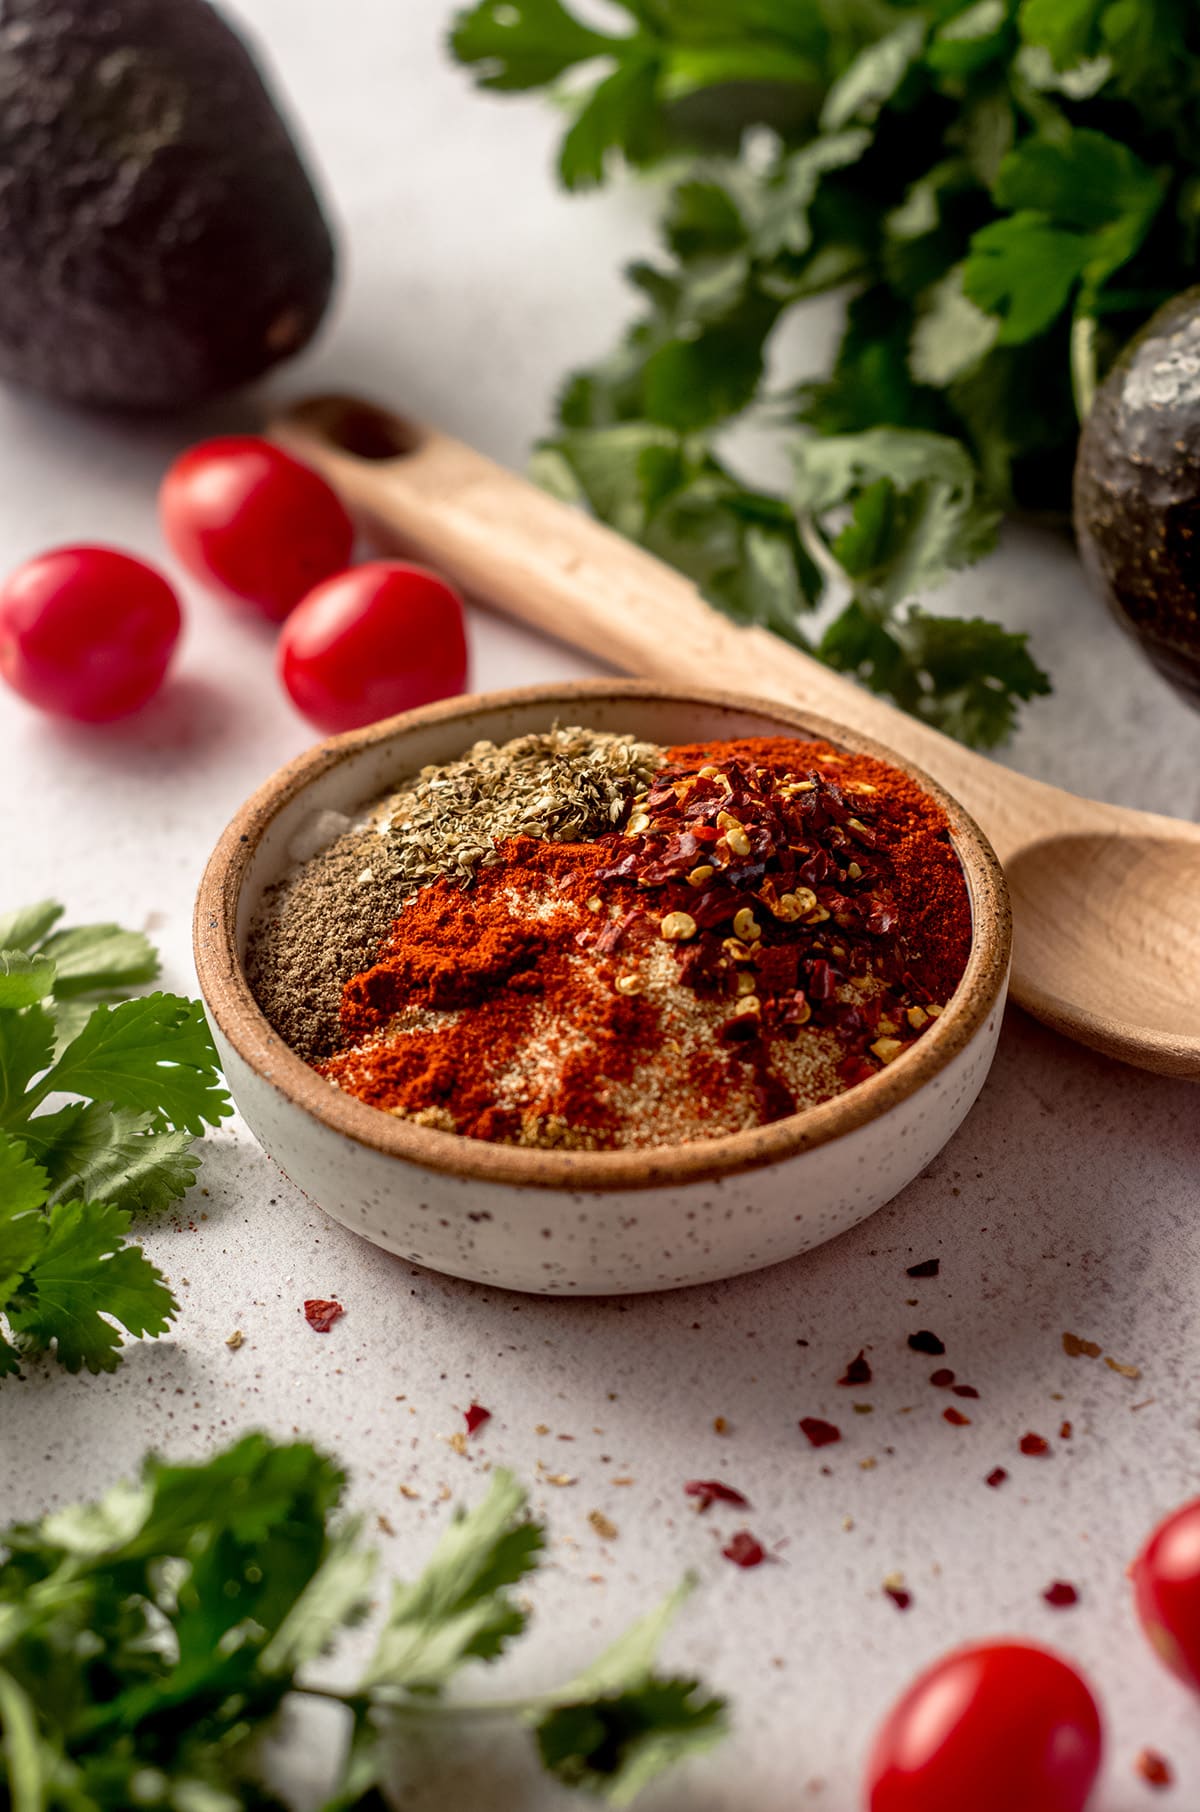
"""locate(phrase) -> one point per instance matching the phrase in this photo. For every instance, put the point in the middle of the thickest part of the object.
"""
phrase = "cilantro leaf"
(26, 1048)
(24, 980)
(518, 44)
(89, 958)
(153, 1053)
(616, 1745)
(96, 1152)
(25, 928)
(459, 1609)
(148, 1640)
(83, 1273)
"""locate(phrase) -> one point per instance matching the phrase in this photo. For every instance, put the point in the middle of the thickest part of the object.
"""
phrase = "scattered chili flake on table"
(1154, 1768)
(712, 1491)
(965, 1390)
(1075, 1348)
(929, 1267)
(901, 1598)
(956, 1418)
(821, 1434)
(744, 1551)
(1061, 1595)
(476, 1416)
(925, 1342)
(858, 1371)
(1034, 1445)
(1065, 1431)
(1125, 1371)
(321, 1313)
(943, 1378)
(996, 1477)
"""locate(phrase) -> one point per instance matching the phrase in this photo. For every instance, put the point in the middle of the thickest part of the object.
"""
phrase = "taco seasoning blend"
(588, 942)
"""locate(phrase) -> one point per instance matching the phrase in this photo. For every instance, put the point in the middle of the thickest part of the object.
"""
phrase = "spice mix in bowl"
(603, 988)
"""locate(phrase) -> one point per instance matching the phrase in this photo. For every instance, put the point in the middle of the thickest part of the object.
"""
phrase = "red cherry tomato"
(1003, 1727)
(1166, 1587)
(87, 632)
(376, 640)
(247, 518)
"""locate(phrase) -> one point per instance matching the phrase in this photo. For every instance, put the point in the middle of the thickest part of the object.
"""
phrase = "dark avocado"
(160, 239)
(1137, 491)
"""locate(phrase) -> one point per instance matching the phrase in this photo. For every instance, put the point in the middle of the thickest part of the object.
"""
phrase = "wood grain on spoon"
(1107, 900)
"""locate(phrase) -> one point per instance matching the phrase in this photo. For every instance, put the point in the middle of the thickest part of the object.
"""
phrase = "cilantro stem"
(1083, 364)
(817, 549)
(21, 1748)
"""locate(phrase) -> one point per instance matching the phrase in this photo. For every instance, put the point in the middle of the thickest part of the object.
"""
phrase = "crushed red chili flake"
(476, 1416)
(928, 1268)
(744, 1551)
(1061, 1595)
(321, 1314)
(1034, 1445)
(821, 1434)
(942, 1378)
(1154, 1768)
(712, 1491)
(858, 1371)
(956, 1418)
(965, 1390)
(1065, 1432)
(899, 1597)
(925, 1342)
(1075, 1348)
(996, 1477)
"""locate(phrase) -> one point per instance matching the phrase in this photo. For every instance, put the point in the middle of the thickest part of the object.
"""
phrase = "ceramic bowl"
(569, 1222)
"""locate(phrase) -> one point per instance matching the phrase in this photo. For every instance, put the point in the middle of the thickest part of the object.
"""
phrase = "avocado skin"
(160, 239)
(1137, 491)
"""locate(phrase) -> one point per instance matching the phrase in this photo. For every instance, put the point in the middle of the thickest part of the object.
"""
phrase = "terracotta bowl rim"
(241, 1022)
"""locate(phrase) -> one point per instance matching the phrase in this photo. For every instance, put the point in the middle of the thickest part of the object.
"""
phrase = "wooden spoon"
(1107, 900)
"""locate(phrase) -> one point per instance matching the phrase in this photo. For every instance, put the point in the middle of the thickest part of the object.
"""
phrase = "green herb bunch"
(149, 1640)
(101, 1101)
(1003, 190)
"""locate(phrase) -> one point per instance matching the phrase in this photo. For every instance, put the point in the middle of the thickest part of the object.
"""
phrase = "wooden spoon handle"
(511, 545)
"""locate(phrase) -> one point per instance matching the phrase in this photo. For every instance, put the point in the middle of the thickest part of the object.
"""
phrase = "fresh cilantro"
(71, 1175)
(150, 1640)
(1001, 191)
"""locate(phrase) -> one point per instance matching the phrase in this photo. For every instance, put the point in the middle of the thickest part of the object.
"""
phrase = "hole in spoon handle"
(348, 424)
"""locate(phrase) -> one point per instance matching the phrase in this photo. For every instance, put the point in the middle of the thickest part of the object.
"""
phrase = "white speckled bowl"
(572, 1223)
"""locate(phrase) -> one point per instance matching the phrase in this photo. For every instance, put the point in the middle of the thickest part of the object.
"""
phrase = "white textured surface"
(1068, 1200)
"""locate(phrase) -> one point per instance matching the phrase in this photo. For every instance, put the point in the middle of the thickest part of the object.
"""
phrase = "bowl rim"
(242, 1023)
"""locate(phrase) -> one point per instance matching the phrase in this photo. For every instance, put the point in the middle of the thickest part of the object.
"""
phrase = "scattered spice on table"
(235, 1340)
(942, 1379)
(475, 1416)
(1075, 1348)
(1065, 1431)
(956, 1418)
(321, 1313)
(928, 1267)
(964, 1390)
(744, 1550)
(712, 1491)
(1035, 1446)
(818, 1432)
(996, 1477)
(1154, 1769)
(858, 1371)
(1061, 1595)
(606, 1530)
(1125, 1371)
(899, 1594)
(923, 1341)
(719, 936)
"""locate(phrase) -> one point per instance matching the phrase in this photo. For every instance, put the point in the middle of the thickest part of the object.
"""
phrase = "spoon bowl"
(1107, 900)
